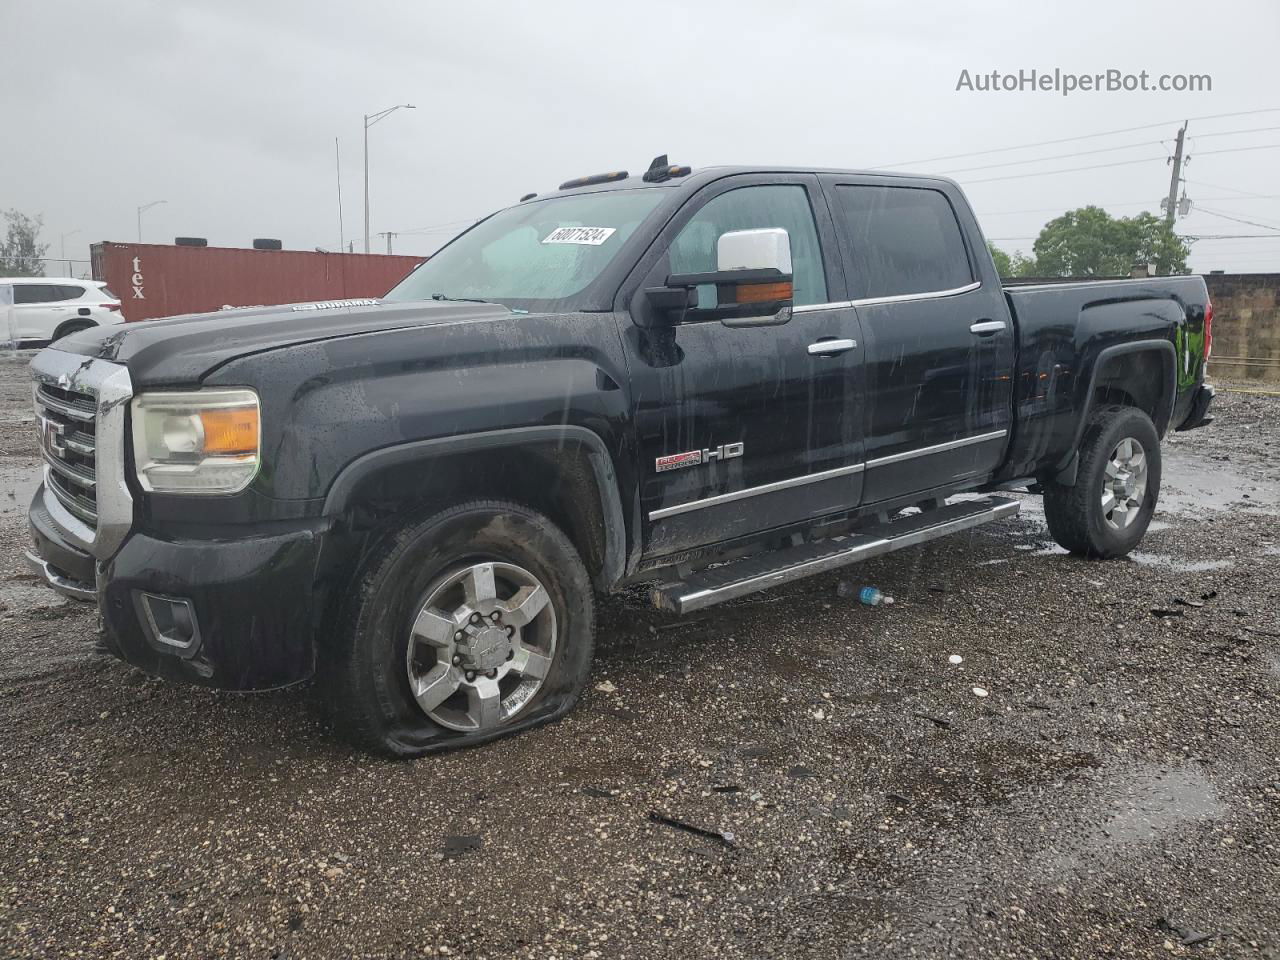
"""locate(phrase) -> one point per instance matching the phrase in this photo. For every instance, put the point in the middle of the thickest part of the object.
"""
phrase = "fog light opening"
(170, 623)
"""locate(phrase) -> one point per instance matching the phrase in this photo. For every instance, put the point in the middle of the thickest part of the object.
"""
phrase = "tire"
(1077, 516)
(67, 329)
(369, 676)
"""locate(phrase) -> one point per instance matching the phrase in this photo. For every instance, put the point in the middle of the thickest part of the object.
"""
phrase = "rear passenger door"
(937, 339)
(40, 307)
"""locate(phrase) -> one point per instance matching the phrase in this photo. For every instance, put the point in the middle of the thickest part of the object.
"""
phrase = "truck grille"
(68, 441)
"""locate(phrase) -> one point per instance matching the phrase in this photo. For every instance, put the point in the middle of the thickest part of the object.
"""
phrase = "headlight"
(202, 441)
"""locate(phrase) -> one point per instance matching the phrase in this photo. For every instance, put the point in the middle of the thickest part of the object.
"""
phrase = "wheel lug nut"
(457, 659)
(495, 616)
(471, 676)
(493, 674)
(511, 631)
(459, 635)
(476, 618)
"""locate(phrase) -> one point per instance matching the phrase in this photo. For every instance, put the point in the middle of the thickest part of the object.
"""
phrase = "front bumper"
(253, 599)
(1199, 415)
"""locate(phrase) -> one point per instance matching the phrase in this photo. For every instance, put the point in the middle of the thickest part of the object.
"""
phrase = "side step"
(762, 571)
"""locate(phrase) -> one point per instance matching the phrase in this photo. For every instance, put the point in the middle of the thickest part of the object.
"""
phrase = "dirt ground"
(1116, 792)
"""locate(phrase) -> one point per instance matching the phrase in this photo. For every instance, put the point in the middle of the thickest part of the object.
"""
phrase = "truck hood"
(179, 350)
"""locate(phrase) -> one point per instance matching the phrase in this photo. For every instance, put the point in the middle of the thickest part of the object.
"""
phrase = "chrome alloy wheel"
(481, 646)
(1124, 484)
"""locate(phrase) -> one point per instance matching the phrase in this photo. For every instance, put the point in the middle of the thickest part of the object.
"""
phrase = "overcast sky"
(228, 110)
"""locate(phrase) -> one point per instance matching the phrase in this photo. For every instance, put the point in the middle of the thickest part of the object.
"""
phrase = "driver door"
(745, 429)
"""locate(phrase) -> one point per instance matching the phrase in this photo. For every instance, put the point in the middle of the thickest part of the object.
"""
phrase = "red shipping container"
(159, 280)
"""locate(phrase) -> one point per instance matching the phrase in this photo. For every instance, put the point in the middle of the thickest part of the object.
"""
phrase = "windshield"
(533, 253)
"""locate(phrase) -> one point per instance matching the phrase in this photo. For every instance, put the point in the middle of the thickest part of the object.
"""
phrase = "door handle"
(831, 347)
(986, 327)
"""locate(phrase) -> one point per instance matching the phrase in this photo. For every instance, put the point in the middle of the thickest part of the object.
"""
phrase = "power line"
(1232, 133)
(1057, 156)
(1218, 186)
(1261, 146)
(1086, 136)
(1048, 173)
(1252, 223)
(1229, 236)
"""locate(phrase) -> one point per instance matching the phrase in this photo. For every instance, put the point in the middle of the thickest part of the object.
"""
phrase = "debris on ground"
(1162, 612)
(456, 844)
(724, 837)
(980, 692)
(873, 597)
(955, 659)
(937, 721)
(606, 687)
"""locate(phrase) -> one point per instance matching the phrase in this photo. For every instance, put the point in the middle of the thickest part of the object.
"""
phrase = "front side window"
(751, 208)
(534, 254)
(904, 240)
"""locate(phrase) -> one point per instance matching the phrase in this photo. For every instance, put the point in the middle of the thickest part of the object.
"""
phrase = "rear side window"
(35, 293)
(106, 292)
(69, 293)
(905, 241)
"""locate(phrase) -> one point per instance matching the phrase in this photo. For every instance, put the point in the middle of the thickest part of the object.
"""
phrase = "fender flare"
(1066, 468)
(615, 531)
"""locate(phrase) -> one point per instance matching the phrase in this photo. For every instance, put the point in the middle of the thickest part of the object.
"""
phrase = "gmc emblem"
(51, 437)
(675, 461)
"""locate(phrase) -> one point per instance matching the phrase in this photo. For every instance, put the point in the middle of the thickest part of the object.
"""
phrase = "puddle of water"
(18, 482)
(1153, 802)
(1192, 485)
(1174, 563)
(1156, 804)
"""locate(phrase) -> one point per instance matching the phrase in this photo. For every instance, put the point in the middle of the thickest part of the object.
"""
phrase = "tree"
(1016, 266)
(1089, 242)
(21, 251)
(1004, 266)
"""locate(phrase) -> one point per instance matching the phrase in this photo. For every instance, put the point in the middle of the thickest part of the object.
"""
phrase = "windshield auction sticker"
(588, 236)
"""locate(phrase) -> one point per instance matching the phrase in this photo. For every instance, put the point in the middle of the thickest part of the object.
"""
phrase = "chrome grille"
(68, 422)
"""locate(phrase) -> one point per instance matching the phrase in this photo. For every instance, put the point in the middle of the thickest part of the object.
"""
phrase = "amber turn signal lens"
(763, 292)
(230, 431)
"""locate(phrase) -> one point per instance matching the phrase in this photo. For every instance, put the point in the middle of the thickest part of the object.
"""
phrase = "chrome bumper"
(63, 585)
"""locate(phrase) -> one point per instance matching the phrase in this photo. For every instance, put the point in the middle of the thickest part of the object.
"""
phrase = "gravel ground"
(1116, 793)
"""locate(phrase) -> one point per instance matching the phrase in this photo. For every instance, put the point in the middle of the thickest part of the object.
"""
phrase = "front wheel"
(471, 624)
(1106, 513)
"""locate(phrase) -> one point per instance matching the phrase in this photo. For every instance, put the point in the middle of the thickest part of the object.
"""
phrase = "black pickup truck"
(711, 381)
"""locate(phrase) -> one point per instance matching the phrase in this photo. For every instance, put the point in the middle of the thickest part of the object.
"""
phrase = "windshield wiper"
(441, 296)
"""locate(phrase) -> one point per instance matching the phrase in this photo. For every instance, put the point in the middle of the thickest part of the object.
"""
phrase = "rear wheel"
(1107, 511)
(471, 624)
(75, 326)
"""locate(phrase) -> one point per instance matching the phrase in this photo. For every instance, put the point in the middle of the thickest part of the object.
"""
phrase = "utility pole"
(337, 162)
(1171, 202)
(388, 234)
(1176, 179)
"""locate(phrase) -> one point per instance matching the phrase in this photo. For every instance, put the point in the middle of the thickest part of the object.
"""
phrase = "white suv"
(41, 309)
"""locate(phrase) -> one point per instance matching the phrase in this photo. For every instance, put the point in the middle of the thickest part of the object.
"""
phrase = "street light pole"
(143, 209)
(369, 120)
(62, 247)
